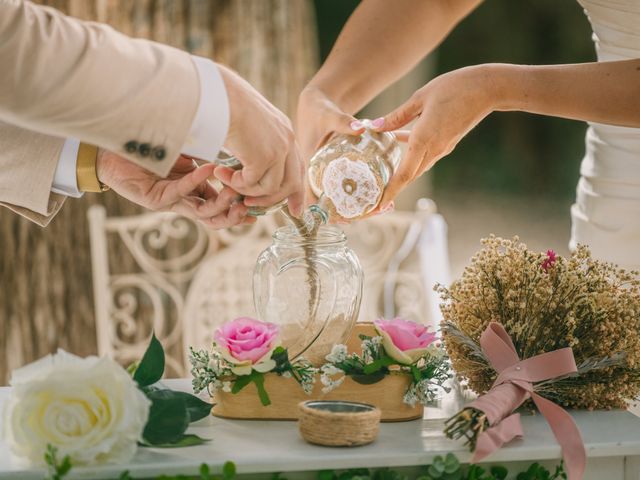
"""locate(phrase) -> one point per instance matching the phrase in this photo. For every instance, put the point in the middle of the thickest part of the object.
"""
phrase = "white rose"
(89, 408)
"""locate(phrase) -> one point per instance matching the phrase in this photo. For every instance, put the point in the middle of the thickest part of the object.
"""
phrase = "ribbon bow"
(513, 386)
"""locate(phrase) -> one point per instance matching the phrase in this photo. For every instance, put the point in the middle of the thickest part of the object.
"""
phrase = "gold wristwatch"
(86, 169)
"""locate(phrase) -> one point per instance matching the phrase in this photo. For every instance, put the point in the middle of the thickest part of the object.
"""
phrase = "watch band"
(86, 169)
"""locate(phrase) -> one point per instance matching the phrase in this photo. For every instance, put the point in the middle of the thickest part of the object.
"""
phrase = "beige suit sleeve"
(28, 163)
(69, 78)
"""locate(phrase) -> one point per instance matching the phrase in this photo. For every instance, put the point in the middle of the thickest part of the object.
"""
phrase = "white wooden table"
(612, 440)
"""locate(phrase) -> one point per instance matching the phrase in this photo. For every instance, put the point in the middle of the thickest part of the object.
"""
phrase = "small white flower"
(287, 374)
(329, 369)
(338, 354)
(410, 398)
(213, 364)
(226, 387)
(330, 384)
(307, 387)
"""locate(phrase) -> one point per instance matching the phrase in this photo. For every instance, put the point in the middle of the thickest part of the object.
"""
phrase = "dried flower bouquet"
(545, 303)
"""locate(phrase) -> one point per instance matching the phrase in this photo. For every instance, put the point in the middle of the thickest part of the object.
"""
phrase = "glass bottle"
(311, 287)
(347, 175)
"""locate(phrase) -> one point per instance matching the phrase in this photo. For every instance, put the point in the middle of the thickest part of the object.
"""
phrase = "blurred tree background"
(508, 153)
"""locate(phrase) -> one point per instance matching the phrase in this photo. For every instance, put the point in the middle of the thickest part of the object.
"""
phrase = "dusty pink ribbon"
(513, 386)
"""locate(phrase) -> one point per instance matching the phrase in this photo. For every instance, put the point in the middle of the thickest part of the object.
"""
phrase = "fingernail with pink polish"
(378, 122)
(356, 125)
(389, 207)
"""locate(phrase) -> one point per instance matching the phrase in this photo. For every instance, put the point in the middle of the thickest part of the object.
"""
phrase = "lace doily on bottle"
(351, 186)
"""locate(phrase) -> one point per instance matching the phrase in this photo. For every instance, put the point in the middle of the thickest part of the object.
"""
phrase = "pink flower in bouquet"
(247, 344)
(403, 340)
(550, 260)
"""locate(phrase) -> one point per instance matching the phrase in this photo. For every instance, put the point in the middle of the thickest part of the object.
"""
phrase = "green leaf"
(125, 476)
(258, 379)
(326, 475)
(197, 408)
(368, 379)
(383, 362)
(184, 441)
(433, 472)
(415, 371)
(229, 470)
(475, 472)
(65, 466)
(205, 472)
(373, 367)
(499, 472)
(451, 463)
(168, 417)
(151, 367)
(438, 464)
(241, 382)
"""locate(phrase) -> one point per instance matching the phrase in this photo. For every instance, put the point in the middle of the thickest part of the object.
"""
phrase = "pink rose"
(247, 344)
(403, 340)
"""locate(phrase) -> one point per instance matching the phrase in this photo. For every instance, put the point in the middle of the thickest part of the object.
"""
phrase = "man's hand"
(185, 191)
(262, 138)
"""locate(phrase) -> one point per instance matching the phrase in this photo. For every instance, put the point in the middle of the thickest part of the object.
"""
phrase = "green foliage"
(281, 356)
(538, 472)
(445, 468)
(168, 418)
(256, 378)
(442, 468)
(56, 469)
(151, 367)
(171, 412)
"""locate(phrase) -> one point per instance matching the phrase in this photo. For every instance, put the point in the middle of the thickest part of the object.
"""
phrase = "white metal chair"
(182, 292)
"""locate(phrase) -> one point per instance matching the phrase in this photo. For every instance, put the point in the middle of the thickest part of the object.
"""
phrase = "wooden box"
(286, 394)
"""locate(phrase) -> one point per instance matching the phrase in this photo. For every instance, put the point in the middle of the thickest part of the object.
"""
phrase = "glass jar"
(311, 287)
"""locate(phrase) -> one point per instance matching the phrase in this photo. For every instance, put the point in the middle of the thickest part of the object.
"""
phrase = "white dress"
(606, 215)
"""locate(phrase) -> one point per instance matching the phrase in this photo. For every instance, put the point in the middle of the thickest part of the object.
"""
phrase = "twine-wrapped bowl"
(337, 423)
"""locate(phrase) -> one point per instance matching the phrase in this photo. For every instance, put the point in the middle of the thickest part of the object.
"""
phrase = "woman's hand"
(318, 118)
(446, 108)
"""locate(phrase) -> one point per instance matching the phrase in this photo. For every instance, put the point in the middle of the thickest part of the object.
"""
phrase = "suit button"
(159, 153)
(131, 146)
(144, 149)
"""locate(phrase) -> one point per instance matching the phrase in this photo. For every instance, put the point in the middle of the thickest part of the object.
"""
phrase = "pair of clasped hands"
(272, 155)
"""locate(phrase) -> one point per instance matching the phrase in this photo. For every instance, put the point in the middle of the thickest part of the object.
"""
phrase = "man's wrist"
(87, 169)
(212, 118)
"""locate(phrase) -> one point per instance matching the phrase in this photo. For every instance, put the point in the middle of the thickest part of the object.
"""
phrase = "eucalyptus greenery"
(442, 468)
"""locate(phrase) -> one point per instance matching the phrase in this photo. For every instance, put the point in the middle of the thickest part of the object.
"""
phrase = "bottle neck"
(312, 219)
